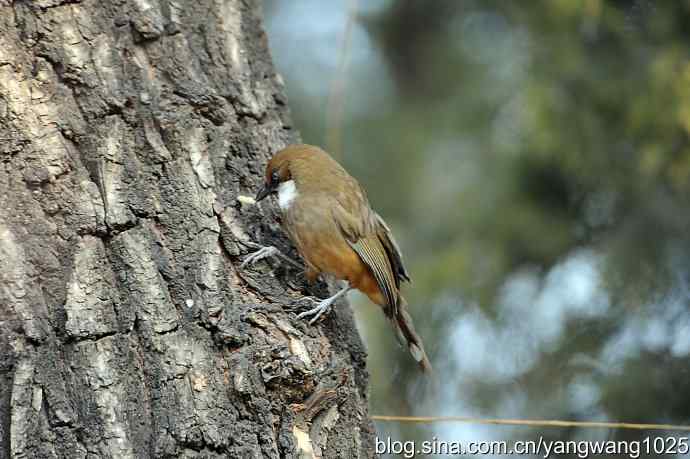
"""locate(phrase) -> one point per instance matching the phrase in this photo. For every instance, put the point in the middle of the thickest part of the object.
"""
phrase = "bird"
(326, 214)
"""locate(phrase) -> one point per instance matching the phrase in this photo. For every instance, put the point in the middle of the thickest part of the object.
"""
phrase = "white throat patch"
(287, 192)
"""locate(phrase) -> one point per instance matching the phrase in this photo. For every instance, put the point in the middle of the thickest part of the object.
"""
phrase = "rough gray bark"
(128, 129)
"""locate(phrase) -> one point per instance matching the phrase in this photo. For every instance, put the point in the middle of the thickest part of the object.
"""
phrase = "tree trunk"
(128, 130)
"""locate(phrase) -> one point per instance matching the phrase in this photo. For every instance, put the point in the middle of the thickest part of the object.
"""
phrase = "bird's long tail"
(407, 335)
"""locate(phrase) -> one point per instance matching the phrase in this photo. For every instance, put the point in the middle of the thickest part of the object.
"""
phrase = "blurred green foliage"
(505, 138)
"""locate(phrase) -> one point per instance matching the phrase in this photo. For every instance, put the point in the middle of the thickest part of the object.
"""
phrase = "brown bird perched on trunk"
(327, 216)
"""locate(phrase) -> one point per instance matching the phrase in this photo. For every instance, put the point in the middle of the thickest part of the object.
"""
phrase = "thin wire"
(532, 423)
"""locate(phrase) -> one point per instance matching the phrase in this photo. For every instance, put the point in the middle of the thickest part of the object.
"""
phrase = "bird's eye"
(274, 177)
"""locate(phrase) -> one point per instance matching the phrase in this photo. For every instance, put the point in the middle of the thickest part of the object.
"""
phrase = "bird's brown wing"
(372, 253)
(368, 235)
(392, 249)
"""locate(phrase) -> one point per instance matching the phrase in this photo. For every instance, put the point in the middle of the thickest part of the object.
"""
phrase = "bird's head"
(294, 162)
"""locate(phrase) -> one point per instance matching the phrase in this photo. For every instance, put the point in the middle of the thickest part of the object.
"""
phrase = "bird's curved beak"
(263, 192)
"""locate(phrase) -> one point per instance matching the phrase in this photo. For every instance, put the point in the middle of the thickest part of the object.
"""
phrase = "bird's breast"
(309, 222)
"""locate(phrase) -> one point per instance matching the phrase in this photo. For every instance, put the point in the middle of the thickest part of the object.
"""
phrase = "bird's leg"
(265, 252)
(323, 306)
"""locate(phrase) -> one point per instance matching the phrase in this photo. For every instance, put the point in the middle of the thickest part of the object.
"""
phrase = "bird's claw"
(260, 254)
(317, 311)
(323, 306)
